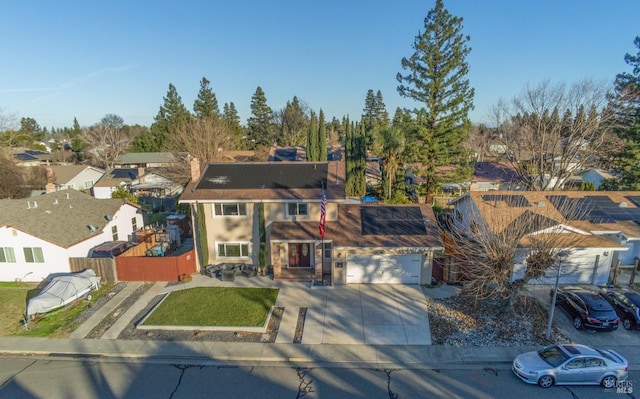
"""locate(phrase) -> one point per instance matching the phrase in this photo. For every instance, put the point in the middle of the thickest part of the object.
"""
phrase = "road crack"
(392, 395)
(16, 373)
(304, 387)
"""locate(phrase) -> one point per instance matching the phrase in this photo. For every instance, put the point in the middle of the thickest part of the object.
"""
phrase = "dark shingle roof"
(61, 217)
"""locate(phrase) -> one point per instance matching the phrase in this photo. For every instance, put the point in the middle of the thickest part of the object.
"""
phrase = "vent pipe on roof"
(28, 205)
(67, 195)
(623, 204)
(35, 204)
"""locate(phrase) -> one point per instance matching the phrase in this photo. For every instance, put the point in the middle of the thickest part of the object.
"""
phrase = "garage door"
(384, 269)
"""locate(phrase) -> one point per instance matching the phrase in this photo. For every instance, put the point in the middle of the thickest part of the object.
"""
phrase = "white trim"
(222, 215)
(239, 243)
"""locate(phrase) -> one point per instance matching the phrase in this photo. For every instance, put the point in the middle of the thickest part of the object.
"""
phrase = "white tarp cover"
(63, 290)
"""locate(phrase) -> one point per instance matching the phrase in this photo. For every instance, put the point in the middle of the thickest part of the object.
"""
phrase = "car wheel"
(89, 297)
(546, 381)
(577, 322)
(627, 323)
(609, 382)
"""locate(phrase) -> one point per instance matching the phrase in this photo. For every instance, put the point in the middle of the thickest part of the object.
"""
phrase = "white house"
(77, 177)
(602, 228)
(38, 236)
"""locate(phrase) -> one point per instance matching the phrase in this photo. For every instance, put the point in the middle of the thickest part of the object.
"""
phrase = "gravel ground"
(455, 322)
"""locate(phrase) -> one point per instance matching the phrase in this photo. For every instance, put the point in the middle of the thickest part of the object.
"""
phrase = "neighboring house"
(362, 243)
(37, 237)
(32, 158)
(596, 176)
(77, 177)
(494, 176)
(606, 231)
(148, 159)
(155, 190)
(114, 179)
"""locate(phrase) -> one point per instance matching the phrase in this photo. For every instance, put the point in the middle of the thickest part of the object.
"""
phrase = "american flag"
(323, 212)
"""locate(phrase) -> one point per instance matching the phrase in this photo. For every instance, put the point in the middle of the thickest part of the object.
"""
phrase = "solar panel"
(635, 199)
(392, 220)
(596, 208)
(515, 201)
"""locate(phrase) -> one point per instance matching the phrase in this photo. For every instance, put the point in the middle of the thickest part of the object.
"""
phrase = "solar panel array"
(594, 208)
(392, 220)
(513, 200)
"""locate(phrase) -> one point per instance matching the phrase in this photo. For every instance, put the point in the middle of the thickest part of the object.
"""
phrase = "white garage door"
(384, 269)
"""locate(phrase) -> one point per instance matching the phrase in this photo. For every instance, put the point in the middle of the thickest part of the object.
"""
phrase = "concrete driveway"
(376, 314)
(602, 339)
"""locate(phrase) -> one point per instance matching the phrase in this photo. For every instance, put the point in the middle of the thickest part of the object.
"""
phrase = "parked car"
(588, 309)
(626, 304)
(571, 364)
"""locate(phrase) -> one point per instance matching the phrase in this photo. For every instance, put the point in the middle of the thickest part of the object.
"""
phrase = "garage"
(384, 269)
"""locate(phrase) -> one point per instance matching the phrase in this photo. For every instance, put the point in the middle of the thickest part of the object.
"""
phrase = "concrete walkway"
(128, 317)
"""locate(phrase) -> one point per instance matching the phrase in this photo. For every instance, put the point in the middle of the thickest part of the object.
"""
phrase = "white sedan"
(571, 364)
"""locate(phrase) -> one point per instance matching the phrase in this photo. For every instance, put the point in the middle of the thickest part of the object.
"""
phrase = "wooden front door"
(299, 255)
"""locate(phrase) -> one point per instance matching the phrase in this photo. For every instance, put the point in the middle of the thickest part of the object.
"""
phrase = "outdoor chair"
(250, 271)
(238, 268)
(227, 275)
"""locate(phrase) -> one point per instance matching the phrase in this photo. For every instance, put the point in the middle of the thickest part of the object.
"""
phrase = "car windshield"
(553, 355)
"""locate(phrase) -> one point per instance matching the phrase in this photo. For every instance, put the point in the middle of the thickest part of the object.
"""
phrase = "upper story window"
(298, 209)
(7, 255)
(134, 224)
(33, 255)
(230, 209)
(114, 233)
(88, 183)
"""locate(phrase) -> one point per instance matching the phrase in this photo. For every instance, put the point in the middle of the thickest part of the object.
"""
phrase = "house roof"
(589, 211)
(268, 181)
(62, 217)
(65, 173)
(601, 172)
(494, 172)
(146, 157)
(350, 230)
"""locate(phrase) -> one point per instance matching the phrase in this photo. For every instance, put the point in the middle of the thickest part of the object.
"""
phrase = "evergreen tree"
(625, 104)
(322, 138)
(169, 118)
(312, 139)
(294, 124)
(380, 112)
(75, 138)
(438, 78)
(230, 116)
(30, 130)
(206, 105)
(369, 111)
(260, 129)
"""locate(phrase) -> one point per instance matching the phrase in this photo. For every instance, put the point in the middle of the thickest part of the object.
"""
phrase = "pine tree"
(438, 78)
(380, 112)
(369, 111)
(170, 116)
(75, 138)
(260, 129)
(312, 139)
(206, 105)
(625, 104)
(322, 138)
(230, 116)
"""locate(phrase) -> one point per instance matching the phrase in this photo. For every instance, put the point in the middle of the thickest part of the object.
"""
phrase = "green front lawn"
(215, 306)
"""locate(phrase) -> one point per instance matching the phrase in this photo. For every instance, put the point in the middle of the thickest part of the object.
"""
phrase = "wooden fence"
(104, 267)
(155, 268)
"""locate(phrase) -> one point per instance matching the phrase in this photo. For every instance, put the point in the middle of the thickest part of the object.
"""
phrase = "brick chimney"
(195, 169)
(141, 178)
(51, 186)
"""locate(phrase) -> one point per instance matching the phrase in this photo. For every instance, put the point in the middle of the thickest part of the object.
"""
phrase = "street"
(33, 377)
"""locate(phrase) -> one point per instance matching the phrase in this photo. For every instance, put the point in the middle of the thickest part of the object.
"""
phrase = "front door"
(299, 255)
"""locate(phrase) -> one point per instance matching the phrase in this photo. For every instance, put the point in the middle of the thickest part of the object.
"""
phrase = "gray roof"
(146, 157)
(62, 217)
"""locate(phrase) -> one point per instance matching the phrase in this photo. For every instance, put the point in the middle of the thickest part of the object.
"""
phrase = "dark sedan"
(587, 308)
(627, 305)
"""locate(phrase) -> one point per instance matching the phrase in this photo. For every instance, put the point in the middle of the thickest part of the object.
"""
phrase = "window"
(298, 209)
(594, 362)
(33, 255)
(7, 255)
(233, 250)
(230, 209)
(326, 250)
(575, 364)
(134, 224)
(114, 233)
(88, 183)
(73, 186)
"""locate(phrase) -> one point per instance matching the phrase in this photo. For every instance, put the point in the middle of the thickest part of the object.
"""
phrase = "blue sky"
(62, 59)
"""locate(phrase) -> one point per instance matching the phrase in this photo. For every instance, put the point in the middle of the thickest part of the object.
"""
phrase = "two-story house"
(39, 235)
(276, 208)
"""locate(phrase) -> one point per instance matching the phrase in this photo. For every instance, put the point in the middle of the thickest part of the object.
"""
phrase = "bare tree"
(10, 133)
(204, 139)
(492, 241)
(553, 130)
(105, 143)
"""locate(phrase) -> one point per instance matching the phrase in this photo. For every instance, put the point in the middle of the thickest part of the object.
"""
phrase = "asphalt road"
(32, 377)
